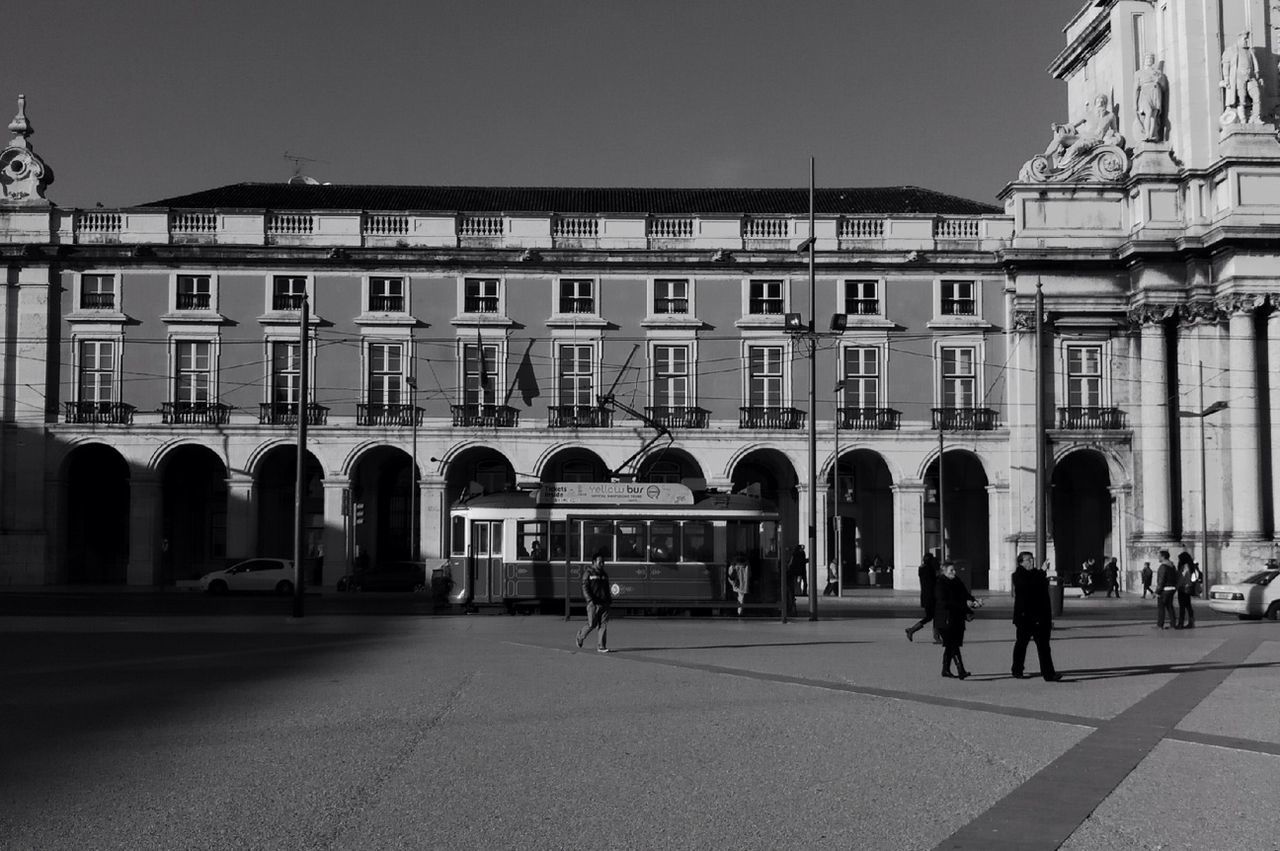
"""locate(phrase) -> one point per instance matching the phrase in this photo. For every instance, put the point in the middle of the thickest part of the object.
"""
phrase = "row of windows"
(670, 296)
(577, 370)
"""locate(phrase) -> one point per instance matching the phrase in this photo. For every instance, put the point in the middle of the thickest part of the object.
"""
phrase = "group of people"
(1093, 578)
(1181, 581)
(949, 606)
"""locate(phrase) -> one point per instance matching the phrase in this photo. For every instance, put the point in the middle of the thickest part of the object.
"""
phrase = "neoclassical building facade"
(491, 337)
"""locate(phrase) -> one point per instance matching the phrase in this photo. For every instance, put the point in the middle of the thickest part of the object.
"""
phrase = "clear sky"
(137, 100)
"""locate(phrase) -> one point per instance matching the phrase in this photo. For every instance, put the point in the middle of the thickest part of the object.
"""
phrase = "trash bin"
(1055, 594)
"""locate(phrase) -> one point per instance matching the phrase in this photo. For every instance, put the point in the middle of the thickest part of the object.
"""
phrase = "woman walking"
(950, 614)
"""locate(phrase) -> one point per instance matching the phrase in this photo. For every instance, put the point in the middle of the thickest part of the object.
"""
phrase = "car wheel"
(284, 586)
(1273, 611)
(217, 587)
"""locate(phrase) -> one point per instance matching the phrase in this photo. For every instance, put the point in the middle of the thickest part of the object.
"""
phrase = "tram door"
(486, 552)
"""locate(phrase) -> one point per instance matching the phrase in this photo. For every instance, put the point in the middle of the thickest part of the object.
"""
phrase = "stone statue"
(1241, 82)
(1098, 127)
(1151, 93)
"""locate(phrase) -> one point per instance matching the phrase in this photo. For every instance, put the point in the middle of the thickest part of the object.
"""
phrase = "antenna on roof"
(298, 177)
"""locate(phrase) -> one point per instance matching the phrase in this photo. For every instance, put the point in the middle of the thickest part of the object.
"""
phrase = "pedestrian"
(595, 588)
(1032, 617)
(928, 573)
(1188, 576)
(833, 582)
(1086, 576)
(795, 575)
(1166, 581)
(740, 578)
(952, 612)
(1146, 580)
(1111, 577)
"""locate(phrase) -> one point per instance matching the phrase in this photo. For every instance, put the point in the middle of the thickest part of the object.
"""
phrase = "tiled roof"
(578, 200)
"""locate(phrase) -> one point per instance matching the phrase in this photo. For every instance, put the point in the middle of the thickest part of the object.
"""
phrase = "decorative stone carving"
(1151, 96)
(1241, 84)
(1088, 150)
(1025, 320)
(1200, 312)
(23, 175)
(1151, 314)
(1228, 305)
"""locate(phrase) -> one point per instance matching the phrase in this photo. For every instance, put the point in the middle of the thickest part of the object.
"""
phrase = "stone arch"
(670, 464)
(966, 521)
(193, 511)
(1080, 511)
(96, 498)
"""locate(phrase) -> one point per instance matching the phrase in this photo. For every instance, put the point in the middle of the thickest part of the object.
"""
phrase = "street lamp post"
(1201, 415)
(413, 468)
(835, 473)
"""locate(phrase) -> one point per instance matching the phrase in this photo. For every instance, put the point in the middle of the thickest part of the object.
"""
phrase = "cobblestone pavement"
(234, 728)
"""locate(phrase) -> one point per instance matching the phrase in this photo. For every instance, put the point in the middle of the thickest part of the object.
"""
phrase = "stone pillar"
(242, 517)
(1245, 459)
(144, 531)
(908, 533)
(999, 557)
(435, 518)
(335, 532)
(1120, 498)
(1153, 433)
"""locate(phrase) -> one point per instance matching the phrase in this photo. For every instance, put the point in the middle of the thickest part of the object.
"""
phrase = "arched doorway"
(487, 468)
(97, 494)
(193, 514)
(771, 472)
(1080, 506)
(671, 466)
(383, 488)
(575, 465)
(861, 509)
(275, 486)
(966, 517)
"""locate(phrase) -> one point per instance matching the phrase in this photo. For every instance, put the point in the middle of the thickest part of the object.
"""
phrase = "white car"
(255, 574)
(1255, 597)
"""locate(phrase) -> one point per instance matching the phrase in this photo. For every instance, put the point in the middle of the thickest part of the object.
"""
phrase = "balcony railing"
(388, 415)
(667, 306)
(488, 416)
(957, 229)
(195, 413)
(386, 303)
(868, 419)
(859, 228)
(286, 413)
(480, 304)
(193, 223)
(575, 227)
(577, 304)
(579, 416)
(671, 228)
(194, 301)
(766, 306)
(287, 301)
(964, 419)
(108, 413)
(958, 307)
(678, 416)
(1092, 419)
(97, 301)
(756, 416)
(862, 306)
(384, 225)
(766, 228)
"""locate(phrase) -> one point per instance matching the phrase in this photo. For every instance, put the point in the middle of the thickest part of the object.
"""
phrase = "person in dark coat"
(1111, 577)
(1032, 617)
(1185, 584)
(1166, 582)
(928, 572)
(951, 611)
(1146, 580)
(795, 575)
(599, 594)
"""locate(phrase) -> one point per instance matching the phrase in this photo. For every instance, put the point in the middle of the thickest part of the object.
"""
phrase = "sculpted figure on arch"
(1098, 127)
(1241, 82)
(1151, 91)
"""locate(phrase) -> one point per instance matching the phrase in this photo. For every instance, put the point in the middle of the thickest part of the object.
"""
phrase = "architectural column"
(1153, 431)
(1273, 377)
(999, 558)
(434, 518)
(1245, 440)
(1121, 496)
(144, 531)
(334, 538)
(908, 533)
(242, 517)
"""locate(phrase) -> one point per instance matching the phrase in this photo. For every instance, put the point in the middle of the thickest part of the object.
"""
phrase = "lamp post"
(1204, 487)
(413, 468)
(835, 472)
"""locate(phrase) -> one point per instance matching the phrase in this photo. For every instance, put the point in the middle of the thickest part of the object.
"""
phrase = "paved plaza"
(227, 727)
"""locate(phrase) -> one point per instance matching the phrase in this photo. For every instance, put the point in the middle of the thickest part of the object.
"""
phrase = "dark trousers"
(1039, 633)
(1146, 589)
(1164, 605)
(1186, 614)
(597, 618)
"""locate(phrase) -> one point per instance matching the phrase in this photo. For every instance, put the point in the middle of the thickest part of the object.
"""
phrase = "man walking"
(1032, 617)
(1166, 583)
(595, 587)
(1146, 580)
(928, 573)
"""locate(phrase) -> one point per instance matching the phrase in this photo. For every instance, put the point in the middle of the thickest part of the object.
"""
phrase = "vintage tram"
(666, 546)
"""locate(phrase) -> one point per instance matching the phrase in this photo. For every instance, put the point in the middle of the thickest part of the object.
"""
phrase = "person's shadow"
(1085, 674)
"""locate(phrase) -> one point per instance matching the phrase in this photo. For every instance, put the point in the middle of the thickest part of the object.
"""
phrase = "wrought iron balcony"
(1092, 419)
(862, 306)
(386, 303)
(110, 413)
(480, 304)
(97, 301)
(579, 416)
(388, 415)
(868, 419)
(758, 416)
(678, 416)
(287, 301)
(577, 304)
(195, 413)
(964, 419)
(194, 301)
(286, 413)
(486, 416)
(959, 307)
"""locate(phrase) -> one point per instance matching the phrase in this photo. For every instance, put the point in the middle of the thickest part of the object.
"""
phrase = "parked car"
(1255, 597)
(254, 574)
(388, 576)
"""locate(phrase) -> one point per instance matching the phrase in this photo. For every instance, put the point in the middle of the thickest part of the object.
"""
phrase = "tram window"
(458, 536)
(664, 536)
(531, 537)
(559, 541)
(495, 542)
(631, 542)
(597, 539)
(697, 541)
(769, 538)
(480, 538)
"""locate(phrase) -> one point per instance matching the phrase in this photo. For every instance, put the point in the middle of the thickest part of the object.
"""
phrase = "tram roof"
(706, 501)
